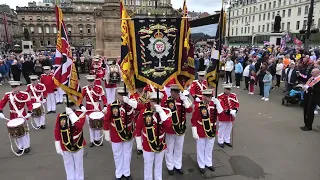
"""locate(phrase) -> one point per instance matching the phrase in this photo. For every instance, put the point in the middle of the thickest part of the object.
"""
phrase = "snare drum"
(17, 127)
(37, 110)
(96, 120)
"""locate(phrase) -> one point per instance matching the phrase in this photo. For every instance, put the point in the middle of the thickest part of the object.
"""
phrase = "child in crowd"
(267, 80)
(252, 82)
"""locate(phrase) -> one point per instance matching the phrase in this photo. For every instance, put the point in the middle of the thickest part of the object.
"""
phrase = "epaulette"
(195, 80)
(220, 94)
(7, 93)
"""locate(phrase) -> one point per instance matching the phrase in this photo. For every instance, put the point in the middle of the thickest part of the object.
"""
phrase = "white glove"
(104, 110)
(215, 100)
(2, 116)
(44, 101)
(107, 135)
(160, 111)
(183, 97)
(58, 147)
(139, 143)
(218, 105)
(130, 102)
(72, 116)
(28, 115)
(83, 108)
(198, 99)
(233, 112)
(195, 132)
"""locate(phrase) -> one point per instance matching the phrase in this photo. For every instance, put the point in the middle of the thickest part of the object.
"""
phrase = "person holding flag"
(48, 81)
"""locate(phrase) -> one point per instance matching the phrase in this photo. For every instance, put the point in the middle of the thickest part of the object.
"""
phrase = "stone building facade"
(9, 31)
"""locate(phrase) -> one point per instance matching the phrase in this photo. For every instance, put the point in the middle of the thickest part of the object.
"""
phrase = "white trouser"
(122, 157)
(150, 158)
(40, 121)
(73, 164)
(204, 152)
(174, 150)
(23, 142)
(51, 102)
(168, 91)
(224, 132)
(94, 134)
(59, 95)
(111, 95)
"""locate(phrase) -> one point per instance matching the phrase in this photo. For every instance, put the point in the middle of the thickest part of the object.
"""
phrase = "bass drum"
(17, 127)
(37, 110)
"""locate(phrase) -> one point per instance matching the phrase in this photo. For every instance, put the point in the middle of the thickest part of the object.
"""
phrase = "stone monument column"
(108, 32)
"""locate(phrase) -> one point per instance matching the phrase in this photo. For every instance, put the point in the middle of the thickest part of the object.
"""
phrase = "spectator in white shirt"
(279, 69)
(246, 75)
(229, 66)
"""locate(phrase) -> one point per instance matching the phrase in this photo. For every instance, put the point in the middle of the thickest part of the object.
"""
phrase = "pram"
(295, 96)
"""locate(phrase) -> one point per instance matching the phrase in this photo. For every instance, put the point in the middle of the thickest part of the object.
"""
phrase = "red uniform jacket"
(20, 99)
(176, 111)
(228, 102)
(117, 110)
(47, 80)
(197, 87)
(97, 93)
(197, 119)
(172, 81)
(76, 130)
(99, 75)
(150, 88)
(141, 129)
(141, 104)
(36, 92)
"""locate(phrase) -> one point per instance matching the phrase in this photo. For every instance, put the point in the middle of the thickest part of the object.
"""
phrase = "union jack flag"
(65, 74)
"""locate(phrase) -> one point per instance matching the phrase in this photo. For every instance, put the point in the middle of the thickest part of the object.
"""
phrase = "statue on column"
(277, 24)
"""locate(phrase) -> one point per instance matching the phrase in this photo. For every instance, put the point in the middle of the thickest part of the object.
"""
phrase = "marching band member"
(230, 105)
(47, 80)
(37, 92)
(167, 88)
(93, 94)
(204, 128)
(179, 105)
(150, 125)
(17, 102)
(99, 73)
(69, 140)
(118, 126)
(149, 89)
(198, 85)
(110, 82)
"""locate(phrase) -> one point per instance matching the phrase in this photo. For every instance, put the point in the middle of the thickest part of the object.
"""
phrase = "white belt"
(76, 136)
(128, 125)
(19, 111)
(198, 95)
(95, 103)
(201, 123)
(144, 134)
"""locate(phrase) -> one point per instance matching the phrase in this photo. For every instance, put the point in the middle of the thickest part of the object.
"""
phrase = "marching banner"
(157, 47)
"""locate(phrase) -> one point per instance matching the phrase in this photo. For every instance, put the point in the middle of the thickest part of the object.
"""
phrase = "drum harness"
(96, 108)
(37, 100)
(19, 112)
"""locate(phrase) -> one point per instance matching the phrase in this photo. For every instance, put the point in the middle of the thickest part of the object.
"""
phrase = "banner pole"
(125, 107)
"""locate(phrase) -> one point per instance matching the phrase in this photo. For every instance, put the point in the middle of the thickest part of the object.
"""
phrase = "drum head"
(36, 105)
(15, 122)
(96, 115)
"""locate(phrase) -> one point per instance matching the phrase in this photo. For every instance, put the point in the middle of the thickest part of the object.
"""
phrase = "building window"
(236, 31)
(248, 30)
(249, 19)
(274, 4)
(47, 30)
(289, 12)
(242, 11)
(268, 16)
(284, 2)
(231, 32)
(259, 28)
(279, 3)
(69, 30)
(298, 25)
(268, 27)
(89, 31)
(254, 9)
(319, 23)
(246, 10)
(68, 19)
(138, 2)
(88, 18)
(306, 10)
(22, 18)
(245, 30)
(30, 18)
(241, 30)
(262, 28)
(46, 18)
(272, 26)
(264, 16)
(246, 19)
(40, 30)
(250, 10)
(305, 23)
(259, 17)
(79, 8)
(273, 14)
(282, 26)
(260, 7)
(87, 8)
(32, 30)
(80, 29)
(54, 29)
(232, 22)
(237, 21)
(269, 5)
(299, 11)
(253, 18)
(49, 43)
(232, 13)
(80, 18)
(242, 20)
(252, 29)
(39, 18)
(283, 13)
(53, 18)
(41, 43)
(264, 6)
(288, 26)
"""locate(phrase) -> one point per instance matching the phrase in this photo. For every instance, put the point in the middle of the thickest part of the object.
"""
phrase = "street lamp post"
(307, 36)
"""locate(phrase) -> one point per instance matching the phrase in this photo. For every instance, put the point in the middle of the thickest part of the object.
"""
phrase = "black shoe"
(211, 168)
(101, 144)
(139, 152)
(128, 178)
(228, 144)
(202, 171)
(245, 89)
(19, 152)
(49, 112)
(27, 150)
(91, 145)
(38, 127)
(221, 145)
(43, 127)
(305, 129)
(180, 171)
(118, 178)
(53, 111)
(170, 172)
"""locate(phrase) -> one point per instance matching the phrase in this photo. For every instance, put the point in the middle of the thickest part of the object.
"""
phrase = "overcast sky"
(193, 5)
